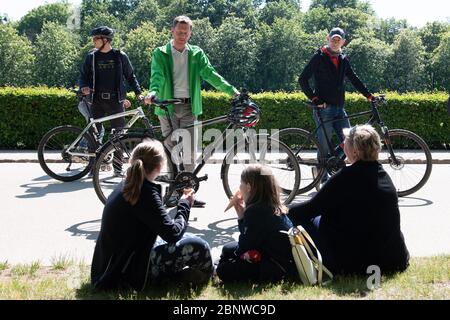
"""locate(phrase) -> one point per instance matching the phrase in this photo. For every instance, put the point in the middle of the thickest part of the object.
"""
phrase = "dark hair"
(145, 158)
(264, 188)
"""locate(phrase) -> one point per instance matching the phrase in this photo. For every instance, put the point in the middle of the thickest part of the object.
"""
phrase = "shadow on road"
(408, 202)
(215, 234)
(48, 186)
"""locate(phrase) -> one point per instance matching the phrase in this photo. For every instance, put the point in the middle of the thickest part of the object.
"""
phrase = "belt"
(184, 100)
(106, 95)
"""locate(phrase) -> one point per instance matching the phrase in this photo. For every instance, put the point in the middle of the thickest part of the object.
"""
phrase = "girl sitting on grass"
(262, 253)
(139, 243)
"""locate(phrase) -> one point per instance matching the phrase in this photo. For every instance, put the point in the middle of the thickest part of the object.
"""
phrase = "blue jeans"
(330, 113)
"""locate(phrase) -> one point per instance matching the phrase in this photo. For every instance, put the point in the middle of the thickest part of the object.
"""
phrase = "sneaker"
(199, 203)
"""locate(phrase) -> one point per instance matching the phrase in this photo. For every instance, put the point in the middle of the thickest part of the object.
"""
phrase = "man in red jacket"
(329, 67)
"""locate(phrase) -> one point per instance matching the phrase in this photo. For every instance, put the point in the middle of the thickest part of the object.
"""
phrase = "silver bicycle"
(68, 153)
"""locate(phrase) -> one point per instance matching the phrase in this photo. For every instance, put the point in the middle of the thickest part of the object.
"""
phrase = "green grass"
(426, 278)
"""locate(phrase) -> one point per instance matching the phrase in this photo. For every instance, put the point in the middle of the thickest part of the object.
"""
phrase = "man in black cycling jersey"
(102, 76)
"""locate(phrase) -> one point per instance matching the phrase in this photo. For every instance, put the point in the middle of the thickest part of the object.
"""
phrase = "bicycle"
(67, 152)
(405, 156)
(251, 148)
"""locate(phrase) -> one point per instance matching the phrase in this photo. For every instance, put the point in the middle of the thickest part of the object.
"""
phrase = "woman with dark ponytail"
(139, 243)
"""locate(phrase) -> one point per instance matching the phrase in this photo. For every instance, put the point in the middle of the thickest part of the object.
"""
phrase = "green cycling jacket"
(199, 67)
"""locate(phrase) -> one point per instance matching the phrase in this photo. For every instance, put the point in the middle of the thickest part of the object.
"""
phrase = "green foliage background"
(28, 113)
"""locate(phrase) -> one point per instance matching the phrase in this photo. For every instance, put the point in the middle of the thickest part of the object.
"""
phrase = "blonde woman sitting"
(354, 219)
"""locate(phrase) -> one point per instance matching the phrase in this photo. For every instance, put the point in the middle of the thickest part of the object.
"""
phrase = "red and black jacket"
(329, 78)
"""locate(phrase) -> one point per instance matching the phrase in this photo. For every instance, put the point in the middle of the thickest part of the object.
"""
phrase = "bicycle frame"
(214, 145)
(136, 114)
(374, 119)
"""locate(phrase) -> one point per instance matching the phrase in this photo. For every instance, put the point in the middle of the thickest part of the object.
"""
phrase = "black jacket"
(124, 71)
(260, 230)
(127, 235)
(360, 224)
(328, 80)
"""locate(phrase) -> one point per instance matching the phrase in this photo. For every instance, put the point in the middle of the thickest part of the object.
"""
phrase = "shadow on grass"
(170, 290)
(341, 286)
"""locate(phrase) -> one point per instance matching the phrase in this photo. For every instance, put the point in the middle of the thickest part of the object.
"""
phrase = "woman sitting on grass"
(354, 219)
(129, 252)
(262, 253)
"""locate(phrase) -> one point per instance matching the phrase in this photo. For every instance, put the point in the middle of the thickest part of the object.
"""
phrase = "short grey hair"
(182, 19)
(365, 140)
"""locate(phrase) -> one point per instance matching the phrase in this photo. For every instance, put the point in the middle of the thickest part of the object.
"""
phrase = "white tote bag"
(310, 268)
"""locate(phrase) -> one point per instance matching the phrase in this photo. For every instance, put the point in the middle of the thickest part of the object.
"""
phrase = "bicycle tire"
(307, 151)
(105, 181)
(53, 165)
(278, 164)
(414, 166)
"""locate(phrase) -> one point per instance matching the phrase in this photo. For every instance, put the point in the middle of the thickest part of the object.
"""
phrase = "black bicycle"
(250, 148)
(405, 156)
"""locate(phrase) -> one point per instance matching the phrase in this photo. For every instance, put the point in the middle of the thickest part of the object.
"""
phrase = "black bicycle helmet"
(244, 113)
(103, 31)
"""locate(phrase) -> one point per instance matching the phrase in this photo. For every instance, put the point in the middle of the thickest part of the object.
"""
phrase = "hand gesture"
(85, 90)
(189, 195)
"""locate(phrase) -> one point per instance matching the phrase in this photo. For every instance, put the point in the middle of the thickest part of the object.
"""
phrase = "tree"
(405, 70)
(235, 60)
(283, 50)
(432, 33)
(139, 47)
(204, 36)
(56, 56)
(369, 59)
(31, 24)
(283, 9)
(145, 11)
(317, 19)
(387, 29)
(355, 22)
(16, 58)
(441, 64)
(340, 4)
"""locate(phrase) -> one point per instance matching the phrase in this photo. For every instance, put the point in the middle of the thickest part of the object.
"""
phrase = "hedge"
(27, 113)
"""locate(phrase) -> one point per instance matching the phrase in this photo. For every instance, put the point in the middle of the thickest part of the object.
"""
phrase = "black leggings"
(232, 268)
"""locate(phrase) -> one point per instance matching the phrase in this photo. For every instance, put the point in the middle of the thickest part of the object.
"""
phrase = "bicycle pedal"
(204, 178)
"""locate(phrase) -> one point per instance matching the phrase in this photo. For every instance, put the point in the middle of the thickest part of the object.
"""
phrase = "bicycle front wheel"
(407, 159)
(307, 151)
(54, 156)
(266, 151)
(113, 162)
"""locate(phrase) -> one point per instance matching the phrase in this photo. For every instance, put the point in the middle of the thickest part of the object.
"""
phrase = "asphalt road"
(42, 219)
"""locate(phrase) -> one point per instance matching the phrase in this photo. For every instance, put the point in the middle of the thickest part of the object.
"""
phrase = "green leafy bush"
(28, 113)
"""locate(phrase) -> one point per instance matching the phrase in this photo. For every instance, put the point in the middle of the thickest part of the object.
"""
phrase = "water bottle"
(340, 150)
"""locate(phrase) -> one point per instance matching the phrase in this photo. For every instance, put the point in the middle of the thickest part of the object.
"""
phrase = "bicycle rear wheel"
(307, 150)
(412, 165)
(54, 158)
(266, 151)
(113, 161)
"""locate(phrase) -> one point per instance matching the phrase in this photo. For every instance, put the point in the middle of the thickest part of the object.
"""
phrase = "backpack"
(310, 268)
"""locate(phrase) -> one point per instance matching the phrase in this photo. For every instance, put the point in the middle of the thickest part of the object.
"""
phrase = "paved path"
(42, 219)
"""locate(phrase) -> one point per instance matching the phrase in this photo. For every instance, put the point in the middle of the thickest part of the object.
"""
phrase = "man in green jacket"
(176, 72)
